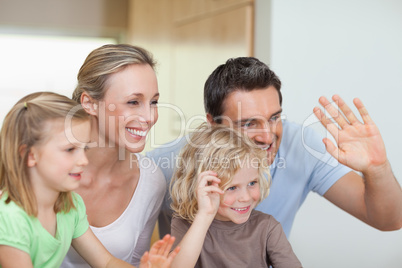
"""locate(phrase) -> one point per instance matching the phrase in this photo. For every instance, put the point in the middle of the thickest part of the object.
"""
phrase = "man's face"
(257, 113)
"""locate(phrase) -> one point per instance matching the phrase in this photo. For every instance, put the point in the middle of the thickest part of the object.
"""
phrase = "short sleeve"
(279, 250)
(81, 221)
(178, 229)
(15, 230)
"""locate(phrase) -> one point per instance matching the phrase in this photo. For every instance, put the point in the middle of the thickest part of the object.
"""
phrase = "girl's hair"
(104, 61)
(24, 127)
(218, 148)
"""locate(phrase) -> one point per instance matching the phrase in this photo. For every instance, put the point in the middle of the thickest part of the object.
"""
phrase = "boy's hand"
(208, 193)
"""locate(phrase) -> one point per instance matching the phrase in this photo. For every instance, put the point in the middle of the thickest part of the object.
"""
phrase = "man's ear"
(210, 119)
(89, 104)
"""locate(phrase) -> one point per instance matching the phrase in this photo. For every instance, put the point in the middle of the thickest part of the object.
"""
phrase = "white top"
(129, 236)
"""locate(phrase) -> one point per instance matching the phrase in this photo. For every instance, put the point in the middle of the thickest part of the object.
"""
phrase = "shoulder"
(78, 201)
(149, 168)
(302, 142)
(17, 227)
(11, 209)
(178, 222)
(168, 150)
(305, 133)
(258, 217)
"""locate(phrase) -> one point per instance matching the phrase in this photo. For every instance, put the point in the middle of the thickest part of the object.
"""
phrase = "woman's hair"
(104, 61)
(24, 127)
(220, 149)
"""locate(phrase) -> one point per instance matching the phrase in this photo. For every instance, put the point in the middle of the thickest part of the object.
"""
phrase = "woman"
(122, 190)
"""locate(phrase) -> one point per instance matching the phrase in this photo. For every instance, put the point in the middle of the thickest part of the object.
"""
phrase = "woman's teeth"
(137, 132)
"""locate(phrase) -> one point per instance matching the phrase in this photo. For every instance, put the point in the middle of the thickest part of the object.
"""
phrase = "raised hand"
(208, 193)
(159, 255)
(359, 144)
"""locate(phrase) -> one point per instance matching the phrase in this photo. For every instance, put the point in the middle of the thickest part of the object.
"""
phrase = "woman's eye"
(231, 188)
(134, 102)
(70, 149)
(154, 102)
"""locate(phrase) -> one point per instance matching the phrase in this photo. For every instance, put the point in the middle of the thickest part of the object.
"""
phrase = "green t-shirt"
(19, 230)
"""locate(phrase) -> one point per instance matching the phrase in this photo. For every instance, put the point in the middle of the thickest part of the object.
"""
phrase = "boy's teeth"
(137, 132)
(240, 209)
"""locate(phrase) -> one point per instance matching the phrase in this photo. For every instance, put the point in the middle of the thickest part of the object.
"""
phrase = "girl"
(218, 182)
(122, 190)
(43, 142)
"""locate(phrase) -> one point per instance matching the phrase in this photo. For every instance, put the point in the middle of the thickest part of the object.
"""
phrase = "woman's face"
(129, 108)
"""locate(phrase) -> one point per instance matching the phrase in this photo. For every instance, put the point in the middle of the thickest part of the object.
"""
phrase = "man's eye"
(274, 118)
(248, 124)
(154, 103)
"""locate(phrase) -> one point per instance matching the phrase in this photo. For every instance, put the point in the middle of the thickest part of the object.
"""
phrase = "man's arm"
(375, 198)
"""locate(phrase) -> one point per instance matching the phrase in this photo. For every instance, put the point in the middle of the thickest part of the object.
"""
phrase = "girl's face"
(58, 162)
(241, 196)
(129, 107)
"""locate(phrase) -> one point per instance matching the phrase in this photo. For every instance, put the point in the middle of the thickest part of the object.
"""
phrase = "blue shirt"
(301, 165)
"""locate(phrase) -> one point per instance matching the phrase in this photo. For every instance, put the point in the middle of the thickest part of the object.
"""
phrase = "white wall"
(351, 48)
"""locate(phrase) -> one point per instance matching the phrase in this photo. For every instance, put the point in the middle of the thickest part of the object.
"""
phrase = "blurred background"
(316, 47)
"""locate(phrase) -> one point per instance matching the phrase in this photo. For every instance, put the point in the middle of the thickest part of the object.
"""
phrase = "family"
(76, 191)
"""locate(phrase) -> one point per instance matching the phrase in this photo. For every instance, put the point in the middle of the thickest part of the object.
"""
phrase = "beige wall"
(189, 38)
(105, 18)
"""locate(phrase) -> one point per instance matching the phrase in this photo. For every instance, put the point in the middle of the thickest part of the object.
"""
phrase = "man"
(245, 94)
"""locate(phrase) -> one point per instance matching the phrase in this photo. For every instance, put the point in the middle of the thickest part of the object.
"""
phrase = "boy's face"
(241, 196)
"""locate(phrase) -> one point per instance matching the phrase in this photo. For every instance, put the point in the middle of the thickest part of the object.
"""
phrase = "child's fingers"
(207, 174)
(166, 246)
(207, 178)
(156, 247)
(162, 247)
(169, 245)
(173, 254)
(213, 189)
(144, 259)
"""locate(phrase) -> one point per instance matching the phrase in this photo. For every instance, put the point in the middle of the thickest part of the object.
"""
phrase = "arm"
(11, 257)
(208, 203)
(92, 250)
(375, 198)
(279, 250)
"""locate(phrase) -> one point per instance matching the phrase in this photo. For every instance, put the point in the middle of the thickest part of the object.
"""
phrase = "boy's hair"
(24, 127)
(218, 148)
(104, 61)
(237, 74)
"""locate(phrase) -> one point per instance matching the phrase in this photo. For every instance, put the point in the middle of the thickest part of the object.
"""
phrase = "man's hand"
(359, 144)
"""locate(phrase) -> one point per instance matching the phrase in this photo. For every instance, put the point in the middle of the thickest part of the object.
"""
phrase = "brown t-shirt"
(259, 242)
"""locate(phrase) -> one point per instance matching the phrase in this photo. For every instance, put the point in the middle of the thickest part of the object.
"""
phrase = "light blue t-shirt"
(301, 165)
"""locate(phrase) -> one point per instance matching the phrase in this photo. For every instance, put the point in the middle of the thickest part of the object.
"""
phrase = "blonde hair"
(218, 148)
(104, 61)
(23, 127)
